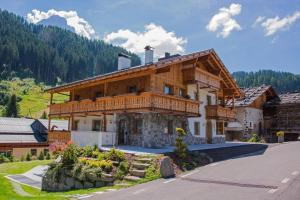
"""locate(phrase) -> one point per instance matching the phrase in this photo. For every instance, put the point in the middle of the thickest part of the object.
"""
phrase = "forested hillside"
(282, 82)
(51, 54)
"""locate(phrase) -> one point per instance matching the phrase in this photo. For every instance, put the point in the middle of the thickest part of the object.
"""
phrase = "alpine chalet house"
(142, 105)
(250, 112)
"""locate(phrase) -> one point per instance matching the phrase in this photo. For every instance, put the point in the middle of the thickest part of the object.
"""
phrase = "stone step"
(138, 165)
(107, 177)
(143, 160)
(132, 178)
(138, 173)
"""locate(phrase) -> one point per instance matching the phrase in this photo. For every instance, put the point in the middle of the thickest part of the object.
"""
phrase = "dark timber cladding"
(284, 115)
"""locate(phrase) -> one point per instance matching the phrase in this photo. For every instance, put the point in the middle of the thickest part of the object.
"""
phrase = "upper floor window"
(208, 100)
(168, 90)
(132, 89)
(75, 125)
(182, 92)
(98, 94)
(77, 97)
(96, 125)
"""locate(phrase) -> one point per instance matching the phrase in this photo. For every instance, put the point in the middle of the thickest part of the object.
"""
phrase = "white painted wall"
(86, 123)
(192, 89)
(85, 136)
(245, 115)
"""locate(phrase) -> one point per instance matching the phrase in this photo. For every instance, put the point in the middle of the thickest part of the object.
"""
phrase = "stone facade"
(155, 131)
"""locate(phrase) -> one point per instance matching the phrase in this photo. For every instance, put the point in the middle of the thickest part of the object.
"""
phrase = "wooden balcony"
(59, 136)
(219, 112)
(143, 102)
(193, 75)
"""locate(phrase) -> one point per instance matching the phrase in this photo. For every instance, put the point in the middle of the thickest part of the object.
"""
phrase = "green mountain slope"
(51, 54)
(282, 82)
(32, 100)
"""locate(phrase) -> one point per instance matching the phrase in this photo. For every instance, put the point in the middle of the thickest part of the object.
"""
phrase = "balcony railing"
(59, 136)
(145, 101)
(220, 112)
(198, 75)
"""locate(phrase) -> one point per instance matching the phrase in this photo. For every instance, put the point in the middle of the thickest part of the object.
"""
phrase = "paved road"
(274, 174)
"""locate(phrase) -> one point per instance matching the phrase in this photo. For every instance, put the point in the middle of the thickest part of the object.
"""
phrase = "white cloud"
(153, 35)
(258, 20)
(273, 25)
(223, 23)
(80, 26)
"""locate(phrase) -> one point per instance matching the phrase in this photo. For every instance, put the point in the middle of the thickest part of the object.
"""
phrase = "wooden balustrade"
(198, 75)
(59, 136)
(219, 112)
(144, 101)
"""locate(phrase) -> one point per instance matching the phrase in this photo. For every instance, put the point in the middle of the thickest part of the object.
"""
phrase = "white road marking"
(139, 191)
(84, 197)
(285, 180)
(111, 190)
(100, 192)
(185, 175)
(272, 191)
(295, 173)
(213, 164)
(171, 180)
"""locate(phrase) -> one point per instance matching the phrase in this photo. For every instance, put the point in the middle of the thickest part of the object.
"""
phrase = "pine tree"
(44, 115)
(12, 108)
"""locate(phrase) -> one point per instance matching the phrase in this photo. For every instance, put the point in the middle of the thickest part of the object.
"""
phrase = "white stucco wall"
(245, 115)
(192, 89)
(86, 123)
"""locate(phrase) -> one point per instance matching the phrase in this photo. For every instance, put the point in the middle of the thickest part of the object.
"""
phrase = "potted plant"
(280, 135)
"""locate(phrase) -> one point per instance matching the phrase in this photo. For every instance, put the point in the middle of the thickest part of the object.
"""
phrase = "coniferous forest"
(282, 82)
(50, 54)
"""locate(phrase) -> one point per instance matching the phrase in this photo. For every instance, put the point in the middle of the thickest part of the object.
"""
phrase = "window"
(132, 89)
(183, 125)
(208, 100)
(96, 125)
(138, 126)
(220, 128)
(46, 151)
(33, 152)
(77, 97)
(98, 94)
(181, 92)
(168, 90)
(75, 125)
(196, 128)
(196, 96)
(170, 127)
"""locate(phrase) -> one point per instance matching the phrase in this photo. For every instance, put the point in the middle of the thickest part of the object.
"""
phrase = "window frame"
(197, 128)
(94, 123)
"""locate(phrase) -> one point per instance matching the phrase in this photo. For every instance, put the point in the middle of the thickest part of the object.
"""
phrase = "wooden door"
(121, 132)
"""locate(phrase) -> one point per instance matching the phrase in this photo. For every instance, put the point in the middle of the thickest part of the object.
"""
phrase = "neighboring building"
(19, 136)
(283, 114)
(250, 113)
(143, 105)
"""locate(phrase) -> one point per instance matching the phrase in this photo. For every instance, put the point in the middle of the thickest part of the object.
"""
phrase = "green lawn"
(7, 191)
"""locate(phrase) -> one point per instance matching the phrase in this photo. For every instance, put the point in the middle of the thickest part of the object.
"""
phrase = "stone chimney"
(123, 61)
(148, 55)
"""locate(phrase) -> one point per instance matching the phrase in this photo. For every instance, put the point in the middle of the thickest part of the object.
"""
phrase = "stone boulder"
(166, 167)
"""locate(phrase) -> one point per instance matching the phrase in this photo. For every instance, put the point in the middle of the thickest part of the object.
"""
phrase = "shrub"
(87, 151)
(254, 138)
(48, 157)
(70, 155)
(152, 172)
(22, 158)
(116, 155)
(122, 170)
(28, 157)
(180, 146)
(57, 148)
(41, 156)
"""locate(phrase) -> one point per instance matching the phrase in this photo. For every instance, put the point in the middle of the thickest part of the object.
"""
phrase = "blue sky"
(187, 26)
